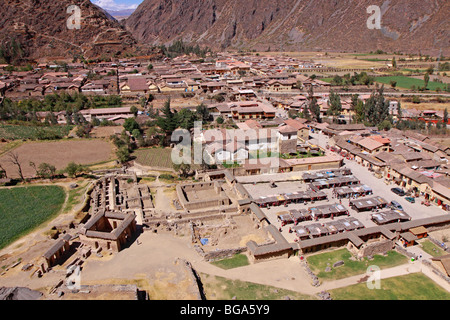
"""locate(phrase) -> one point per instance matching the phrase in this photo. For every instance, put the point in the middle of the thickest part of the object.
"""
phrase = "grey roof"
(280, 245)
(127, 219)
(58, 244)
(408, 236)
(368, 203)
(257, 212)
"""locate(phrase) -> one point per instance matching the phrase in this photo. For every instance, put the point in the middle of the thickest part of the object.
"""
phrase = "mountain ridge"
(409, 26)
(32, 29)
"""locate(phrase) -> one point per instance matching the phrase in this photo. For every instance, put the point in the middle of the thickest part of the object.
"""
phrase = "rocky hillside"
(334, 25)
(38, 28)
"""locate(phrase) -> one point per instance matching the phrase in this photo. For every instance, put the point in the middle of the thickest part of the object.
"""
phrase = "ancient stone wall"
(373, 248)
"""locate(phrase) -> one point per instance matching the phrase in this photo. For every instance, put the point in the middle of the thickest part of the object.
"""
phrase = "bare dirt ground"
(105, 132)
(425, 105)
(58, 153)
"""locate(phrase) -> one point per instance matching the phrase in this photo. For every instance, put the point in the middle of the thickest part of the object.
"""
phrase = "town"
(313, 167)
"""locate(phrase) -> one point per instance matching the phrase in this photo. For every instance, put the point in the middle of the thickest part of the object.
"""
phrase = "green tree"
(335, 108)
(183, 169)
(393, 83)
(123, 154)
(74, 169)
(186, 119)
(203, 113)
(136, 133)
(95, 122)
(426, 79)
(313, 106)
(46, 170)
(84, 130)
(167, 122)
(394, 63)
(399, 111)
(376, 107)
(134, 110)
(131, 124)
(337, 80)
(385, 125)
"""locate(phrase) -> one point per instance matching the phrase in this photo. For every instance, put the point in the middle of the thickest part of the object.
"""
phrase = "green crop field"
(154, 157)
(24, 208)
(415, 286)
(408, 82)
(16, 132)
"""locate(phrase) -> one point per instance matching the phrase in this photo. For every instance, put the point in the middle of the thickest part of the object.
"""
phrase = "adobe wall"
(220, 199)
(271, 256)
(317, 166)
(102, 243)
(219, 254)
(378, 247)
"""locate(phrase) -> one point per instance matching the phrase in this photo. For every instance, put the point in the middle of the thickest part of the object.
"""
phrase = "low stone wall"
(405, 252)
(314, 279)
(198, 287)
(147, 168)
(218, 254)
(378, 247)
(439, 243)
(436, 270)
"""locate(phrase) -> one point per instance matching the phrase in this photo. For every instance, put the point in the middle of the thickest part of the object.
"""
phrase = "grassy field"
(430, 248)
(24, 208)
(320, 261)
(75, 195)
(18, 132)
(407, 82)
(236, 261)
(219, 288)
(414, 286)
(154, 157)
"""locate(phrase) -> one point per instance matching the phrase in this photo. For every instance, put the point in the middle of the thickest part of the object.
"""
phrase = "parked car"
(378, 175)
(410, 199)
(396, 205)
(398, 191)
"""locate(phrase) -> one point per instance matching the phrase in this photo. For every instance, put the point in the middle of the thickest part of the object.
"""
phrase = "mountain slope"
(340, 25)
(37, 28)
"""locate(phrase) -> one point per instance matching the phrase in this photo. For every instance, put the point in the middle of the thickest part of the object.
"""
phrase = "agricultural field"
(408, 82)
(24, 208)
(154, 157)
(319, 262)
(416, 286)
(57, 153)
(25, 132)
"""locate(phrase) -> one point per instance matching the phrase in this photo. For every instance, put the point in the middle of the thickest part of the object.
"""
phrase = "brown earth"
(40, 29)
(296, 25)
(59, 154)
